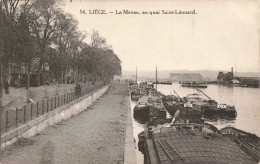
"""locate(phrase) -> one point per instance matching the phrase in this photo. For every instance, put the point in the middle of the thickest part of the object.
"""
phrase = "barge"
(209, 107)
(166, 142)
(149, 107)
(135, 92)
(163, 82)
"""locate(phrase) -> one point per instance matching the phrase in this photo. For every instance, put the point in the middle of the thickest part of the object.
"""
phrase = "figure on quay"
(78, 90)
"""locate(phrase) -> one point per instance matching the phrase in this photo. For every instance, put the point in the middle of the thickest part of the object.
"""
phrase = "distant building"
(235, 81)
(225, 78)
(249, 81)
(230, 79)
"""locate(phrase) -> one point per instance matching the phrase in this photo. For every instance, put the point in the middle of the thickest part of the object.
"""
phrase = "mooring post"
(31, 110)
(24, 114)
(16, 117)
(6, 120)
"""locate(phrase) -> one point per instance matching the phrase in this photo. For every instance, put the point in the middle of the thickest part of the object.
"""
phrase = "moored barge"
(193, 85)
(209, 107)
(149, 107)
(135, 92)
(183, 143)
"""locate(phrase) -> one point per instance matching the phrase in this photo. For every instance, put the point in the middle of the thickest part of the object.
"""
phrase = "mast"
(1, 52)
(156, 78)
(136, 75)
(203, 93)
(177, 95)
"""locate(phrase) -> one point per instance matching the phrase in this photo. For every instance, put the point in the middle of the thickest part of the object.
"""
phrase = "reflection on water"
(245, 100)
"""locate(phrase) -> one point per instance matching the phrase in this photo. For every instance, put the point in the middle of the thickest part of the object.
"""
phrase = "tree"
(43, 22)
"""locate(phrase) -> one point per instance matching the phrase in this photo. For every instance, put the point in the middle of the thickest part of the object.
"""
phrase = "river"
(245, 100)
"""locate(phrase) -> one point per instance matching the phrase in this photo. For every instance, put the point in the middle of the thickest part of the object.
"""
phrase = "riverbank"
(95, 136)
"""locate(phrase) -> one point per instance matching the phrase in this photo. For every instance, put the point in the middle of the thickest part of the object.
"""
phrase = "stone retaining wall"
(42, 122)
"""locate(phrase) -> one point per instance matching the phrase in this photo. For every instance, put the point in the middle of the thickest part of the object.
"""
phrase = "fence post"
(16, 117)
(31, 110)
(47, 105)
(55, 103)
(58, 101)
(51, 104)
(6, 120)
(24, 114)
(37, 109)
(42, 106)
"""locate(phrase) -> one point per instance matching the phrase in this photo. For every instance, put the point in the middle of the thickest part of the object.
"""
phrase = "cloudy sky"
(222, 34)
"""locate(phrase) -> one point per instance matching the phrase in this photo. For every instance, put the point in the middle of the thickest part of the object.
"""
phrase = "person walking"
(78, 90)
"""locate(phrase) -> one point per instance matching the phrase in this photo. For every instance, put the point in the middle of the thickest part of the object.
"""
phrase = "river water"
(245, 100)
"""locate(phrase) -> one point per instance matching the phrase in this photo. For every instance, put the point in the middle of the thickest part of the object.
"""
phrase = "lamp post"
(1, 80)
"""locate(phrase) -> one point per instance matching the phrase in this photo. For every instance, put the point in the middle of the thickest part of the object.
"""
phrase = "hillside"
(187, 77)
(165, 75)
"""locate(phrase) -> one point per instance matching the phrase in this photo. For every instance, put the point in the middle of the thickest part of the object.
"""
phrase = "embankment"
(42, 122)
(101, 134)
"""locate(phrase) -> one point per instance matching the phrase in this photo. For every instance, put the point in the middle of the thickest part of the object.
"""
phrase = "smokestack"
(232, 70)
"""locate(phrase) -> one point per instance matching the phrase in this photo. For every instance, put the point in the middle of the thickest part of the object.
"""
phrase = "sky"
(223, 34)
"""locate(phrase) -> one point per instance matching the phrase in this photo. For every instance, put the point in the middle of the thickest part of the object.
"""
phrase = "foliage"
(40, 29)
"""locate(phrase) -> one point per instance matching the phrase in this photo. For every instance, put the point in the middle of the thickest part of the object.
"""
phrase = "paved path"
(95, 136)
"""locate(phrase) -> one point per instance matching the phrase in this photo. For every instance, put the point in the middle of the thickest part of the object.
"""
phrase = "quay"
(100, 134)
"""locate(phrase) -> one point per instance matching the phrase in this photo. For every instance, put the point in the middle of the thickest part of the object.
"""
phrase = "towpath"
(97, 135)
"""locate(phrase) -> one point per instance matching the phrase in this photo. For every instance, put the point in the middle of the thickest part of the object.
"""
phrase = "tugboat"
(209, 107)
(148, 107)
(164, 141)
(193, 84)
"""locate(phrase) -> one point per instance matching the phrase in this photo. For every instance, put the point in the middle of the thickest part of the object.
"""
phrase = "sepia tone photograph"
(130, 82)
